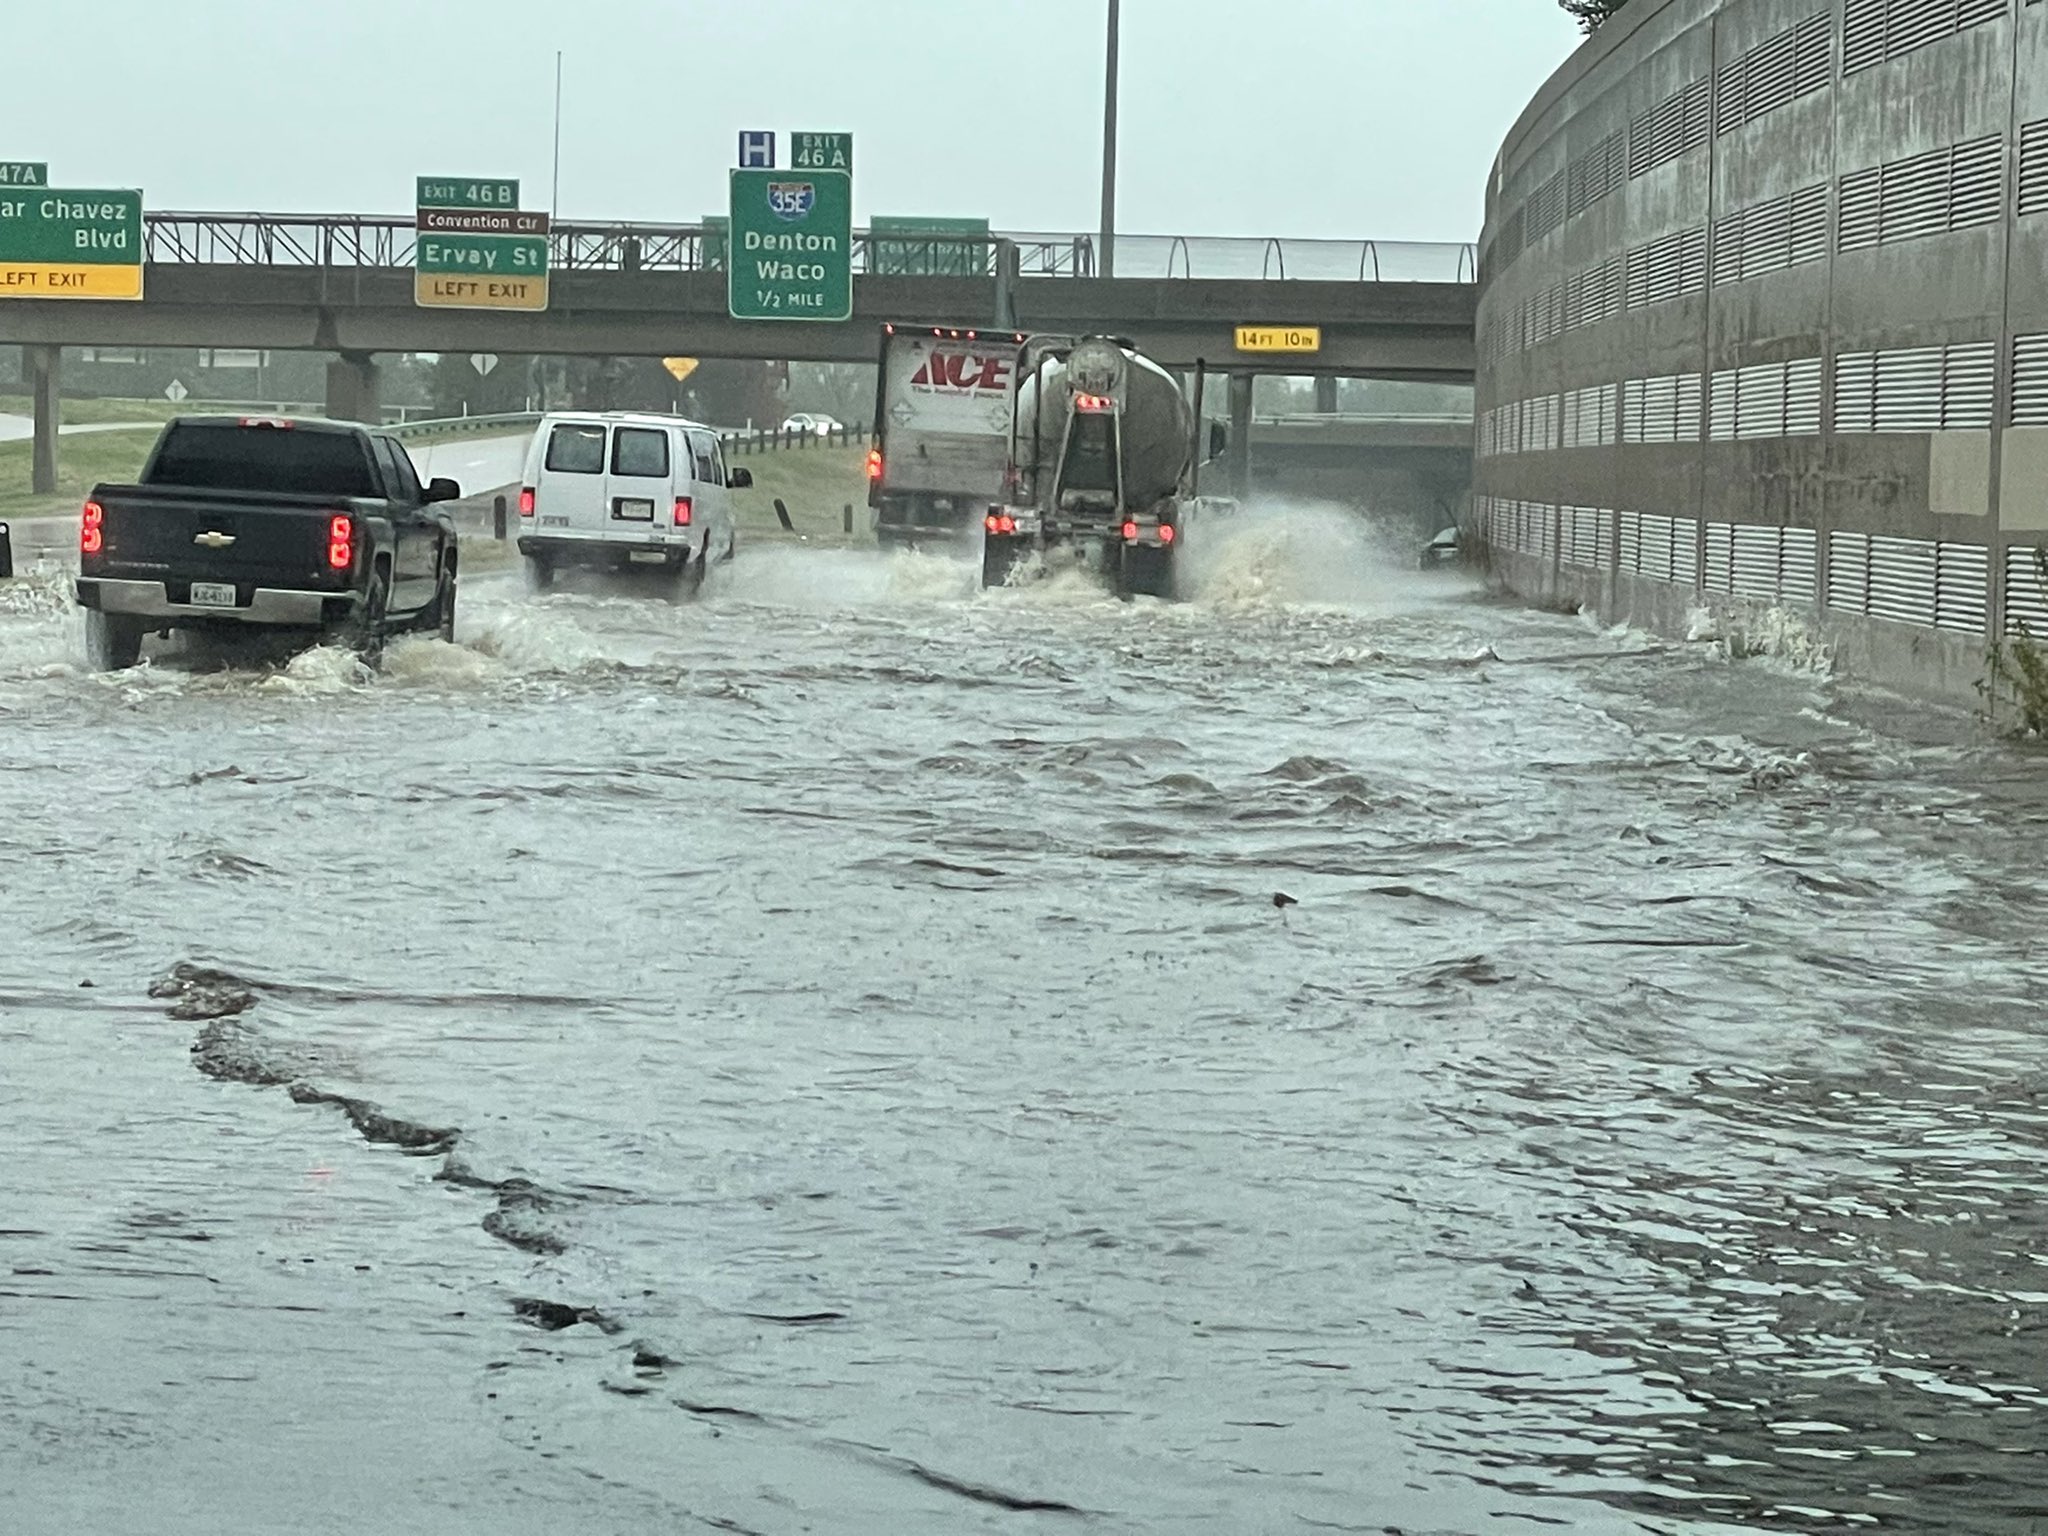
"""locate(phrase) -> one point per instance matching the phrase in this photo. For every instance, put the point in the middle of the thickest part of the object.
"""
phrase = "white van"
(617, 488)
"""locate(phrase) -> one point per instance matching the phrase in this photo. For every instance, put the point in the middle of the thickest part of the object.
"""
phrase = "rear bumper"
(560, 551)
(266, 605)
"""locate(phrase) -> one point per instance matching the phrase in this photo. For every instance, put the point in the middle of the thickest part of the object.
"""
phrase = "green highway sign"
(821, 151)
(466, 192)
(24, 173)
(60, 244)
(483, 255)
(474, 249)
(929, 247)
(791, 251)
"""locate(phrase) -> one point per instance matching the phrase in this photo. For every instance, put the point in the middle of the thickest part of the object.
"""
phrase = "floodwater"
(856, 1054)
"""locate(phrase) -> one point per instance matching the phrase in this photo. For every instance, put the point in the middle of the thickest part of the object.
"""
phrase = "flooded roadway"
(829, 1058)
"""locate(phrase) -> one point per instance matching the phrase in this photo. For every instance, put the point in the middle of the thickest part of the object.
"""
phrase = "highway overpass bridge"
(345, 285)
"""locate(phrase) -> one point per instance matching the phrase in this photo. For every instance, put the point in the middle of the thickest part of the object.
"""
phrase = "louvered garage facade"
(1764, 317)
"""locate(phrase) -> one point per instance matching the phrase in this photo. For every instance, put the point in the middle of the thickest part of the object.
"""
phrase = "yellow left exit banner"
(442, 290)
(56, 280)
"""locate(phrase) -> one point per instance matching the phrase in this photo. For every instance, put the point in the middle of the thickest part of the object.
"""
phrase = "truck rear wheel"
(365, 633)
(444, 606)
(113, 641)
(540, 573)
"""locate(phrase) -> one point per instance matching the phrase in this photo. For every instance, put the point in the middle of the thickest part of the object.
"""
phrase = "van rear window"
(576, 451)
(639, 451)
(225, 456)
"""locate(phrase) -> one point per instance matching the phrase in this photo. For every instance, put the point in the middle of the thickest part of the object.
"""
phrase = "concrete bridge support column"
(1326, 394)
(41, 367)
(1238, 452)
(352, 388)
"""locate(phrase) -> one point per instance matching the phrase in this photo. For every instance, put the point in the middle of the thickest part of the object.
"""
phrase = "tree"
(1590, 13)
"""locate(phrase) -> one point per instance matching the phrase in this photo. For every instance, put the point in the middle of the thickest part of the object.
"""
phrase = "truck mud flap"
(1144, 570)
(1001, 554)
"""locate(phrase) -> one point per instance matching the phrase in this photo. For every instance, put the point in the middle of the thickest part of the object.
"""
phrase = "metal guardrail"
(386, 241)
(786, 440)
(502, 425)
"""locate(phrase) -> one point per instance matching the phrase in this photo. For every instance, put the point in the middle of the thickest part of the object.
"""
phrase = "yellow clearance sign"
(1279, 338)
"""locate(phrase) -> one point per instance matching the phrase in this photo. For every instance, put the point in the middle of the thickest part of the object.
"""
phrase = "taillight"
(1130, 531)
(526, 501)
(874, 463)
(1166, 533)
(682, 511)
(92, 529)
(1001, 522)
(341, 542)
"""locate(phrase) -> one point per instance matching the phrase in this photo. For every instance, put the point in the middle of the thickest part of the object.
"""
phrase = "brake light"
(682, 511)
(1095, 404)
(1130, 531)
(341, 542)
(526, 501)
(1001, 522)
(1166, 533)
(874, 463)
(276, 423)
(92, 529)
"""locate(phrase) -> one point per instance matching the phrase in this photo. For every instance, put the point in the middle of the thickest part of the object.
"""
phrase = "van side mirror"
(739, 479)
(442, 489)
(1219, 439)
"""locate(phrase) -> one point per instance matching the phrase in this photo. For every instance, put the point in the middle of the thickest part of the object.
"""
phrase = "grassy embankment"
(83, 461)
(815, 484)
(77, 413)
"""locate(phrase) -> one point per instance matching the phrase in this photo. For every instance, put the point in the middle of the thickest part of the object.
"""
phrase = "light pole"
(1107, 263)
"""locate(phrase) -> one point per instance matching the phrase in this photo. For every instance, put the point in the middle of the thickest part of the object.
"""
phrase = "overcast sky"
(1336, 118)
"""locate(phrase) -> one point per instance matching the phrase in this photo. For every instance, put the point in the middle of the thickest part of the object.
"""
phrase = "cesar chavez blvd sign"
(57, 244)
(791, 250)
(474, 249)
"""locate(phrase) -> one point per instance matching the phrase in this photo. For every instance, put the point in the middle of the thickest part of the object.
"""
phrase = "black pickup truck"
(266, 521)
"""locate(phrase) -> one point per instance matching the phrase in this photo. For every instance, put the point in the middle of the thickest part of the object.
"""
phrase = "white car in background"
(621, 489)
(813, 425)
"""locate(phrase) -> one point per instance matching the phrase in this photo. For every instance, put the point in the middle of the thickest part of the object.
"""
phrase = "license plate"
(634, 511)
(647, 557)
(213, 594)
(554, 522)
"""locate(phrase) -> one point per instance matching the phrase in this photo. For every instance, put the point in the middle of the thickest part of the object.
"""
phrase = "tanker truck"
(1102, 469)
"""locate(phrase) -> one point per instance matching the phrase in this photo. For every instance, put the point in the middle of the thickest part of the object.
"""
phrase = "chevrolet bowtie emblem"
(214, 540)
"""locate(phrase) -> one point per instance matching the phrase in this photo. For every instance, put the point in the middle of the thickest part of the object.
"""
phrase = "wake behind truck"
(1103, 462)
(942, 432)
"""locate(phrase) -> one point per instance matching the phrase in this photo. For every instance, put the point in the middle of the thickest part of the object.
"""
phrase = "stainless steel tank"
(1156, 423)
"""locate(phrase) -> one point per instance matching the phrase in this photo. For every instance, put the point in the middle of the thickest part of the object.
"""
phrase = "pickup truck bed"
(268, 522)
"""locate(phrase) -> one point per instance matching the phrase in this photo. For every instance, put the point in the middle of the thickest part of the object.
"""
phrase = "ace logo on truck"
(964, 371)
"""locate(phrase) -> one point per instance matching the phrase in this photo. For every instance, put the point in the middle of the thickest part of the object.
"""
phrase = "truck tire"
(540, 573)
(1000, 556)
(113, 641)
(444, 606)
(1146, 572)
(365, 632)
